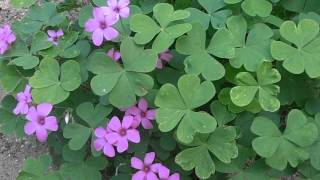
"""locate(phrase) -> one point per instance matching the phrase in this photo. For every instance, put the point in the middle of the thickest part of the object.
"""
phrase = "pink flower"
(113, 54)
(54, 36)
(39, 121)
(121, 133)
(7, 37)
(101, 26)
(24, 99)
(142, 114)
(101, 143)
(120, 8)
(164, 173)
(146, 169)
(163, 58)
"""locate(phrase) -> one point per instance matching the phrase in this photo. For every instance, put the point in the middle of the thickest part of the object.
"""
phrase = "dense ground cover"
(148, 89)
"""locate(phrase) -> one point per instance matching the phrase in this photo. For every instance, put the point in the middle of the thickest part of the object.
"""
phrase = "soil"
(14, 151)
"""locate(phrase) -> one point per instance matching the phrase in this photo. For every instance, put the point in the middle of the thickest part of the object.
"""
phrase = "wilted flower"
(101, 26)
(142, 114)
(113, 54)
(121, 133)
(147, 170)
(39, 122)
(163, 58)
(7, 37)
(24, 99)
(54, 36)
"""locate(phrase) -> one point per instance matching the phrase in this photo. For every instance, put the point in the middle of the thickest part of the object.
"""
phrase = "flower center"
(143, 114)
(55, 39)
(41, 120)
(117, 9)
(103, 25)
(146, 168)
(123, 132)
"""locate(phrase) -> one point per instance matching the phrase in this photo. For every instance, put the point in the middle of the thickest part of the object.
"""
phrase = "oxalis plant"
(164, 89)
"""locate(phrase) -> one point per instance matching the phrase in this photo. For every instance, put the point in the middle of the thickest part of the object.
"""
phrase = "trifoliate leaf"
(263, 88)
(304, 56)
(221, 143)
(52, 83)
(165, 30)
(288, 147)
(94, 116)
(78, 135)
(199, 60)
(123, 83)
(176, 107)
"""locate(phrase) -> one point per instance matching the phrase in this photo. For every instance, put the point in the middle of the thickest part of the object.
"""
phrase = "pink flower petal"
(51, 123)
(112, 137)
(127, 122)
(42, 134)
(133, 135)
(21, 108)
(124, 12)
(110, 53)
(29, 128)
(99, 144)
(151, 114)
(175, 176)
(164, 172)
(133, 111)
(159, 64)
(60, 33)
(149, 158)
(27, 89)
(136, 163)
(123, 3)
(110, 33)
(100, 132)
(140, 175)
(44, 109)
(151, 176)
(146, 124)
(32, 115)
(122, 145)
(98, 13)
(112, 3)
(97, 37)
(108, 150)
(117, 55)
(52, 33)
(114, 124)
(143, 104)
(91, 25)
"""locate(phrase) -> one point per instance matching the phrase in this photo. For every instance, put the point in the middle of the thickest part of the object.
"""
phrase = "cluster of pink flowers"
(147, 170)
(7, 37)
(101, 25)
(39, 121)
(116, 134)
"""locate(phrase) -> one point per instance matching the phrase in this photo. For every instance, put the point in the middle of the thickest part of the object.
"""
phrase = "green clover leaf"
(176, 107)
(37, 169)
(305, 55)
(9, 122)
(26, 61)
(78, 135)
(166, 28)
(315, 147)
(52, 83)
(288, 147)
(215, 14)
(263, 88)
(199, 60)
(122, 84)
(221, 113)
(261, 8)
(10, 78)
(221, 143)
(94, 116)
(248, 50)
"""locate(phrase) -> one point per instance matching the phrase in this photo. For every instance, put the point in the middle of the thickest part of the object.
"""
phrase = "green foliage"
(238, 99)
